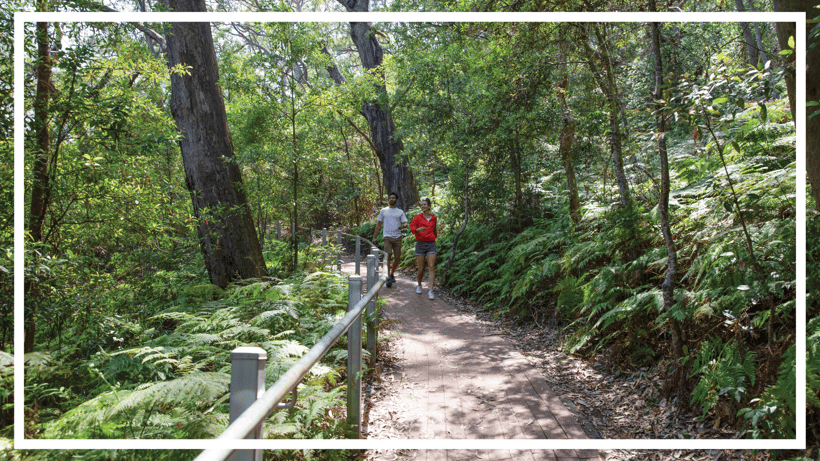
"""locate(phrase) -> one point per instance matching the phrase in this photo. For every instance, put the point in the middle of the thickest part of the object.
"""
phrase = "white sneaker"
(418, 289)
(430, 295)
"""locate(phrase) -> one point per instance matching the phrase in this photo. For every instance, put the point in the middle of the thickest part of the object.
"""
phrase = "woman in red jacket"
(423, 227)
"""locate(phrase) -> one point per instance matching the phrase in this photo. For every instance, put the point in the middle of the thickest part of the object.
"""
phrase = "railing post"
(278, 230)
(358, 253)
(339, 246)
(247, 385)
(324, 246)
(375, 252)
(354, 360)
(372, 325)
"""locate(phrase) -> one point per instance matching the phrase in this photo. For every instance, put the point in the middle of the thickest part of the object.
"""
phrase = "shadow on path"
(458, 381)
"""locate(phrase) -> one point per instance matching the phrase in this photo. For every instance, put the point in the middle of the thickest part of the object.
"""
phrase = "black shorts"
(425, 248)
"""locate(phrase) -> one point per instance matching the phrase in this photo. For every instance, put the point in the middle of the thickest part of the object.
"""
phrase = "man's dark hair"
(393, 193)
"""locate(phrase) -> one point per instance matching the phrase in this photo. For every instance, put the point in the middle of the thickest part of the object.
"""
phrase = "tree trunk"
(813, 124)
(784, 31)
(680, 377)
(668, 287)
(566, 136)
(41, 183)
(395, 170)
(227, 237)
(761, 48)
(751, 44)
(606, 81)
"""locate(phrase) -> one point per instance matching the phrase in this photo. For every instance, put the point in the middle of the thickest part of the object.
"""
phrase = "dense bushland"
(600, 279)
(130, 340)
(164, 371)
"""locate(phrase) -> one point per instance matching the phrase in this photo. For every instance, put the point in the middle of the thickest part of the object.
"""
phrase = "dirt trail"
(454, 379)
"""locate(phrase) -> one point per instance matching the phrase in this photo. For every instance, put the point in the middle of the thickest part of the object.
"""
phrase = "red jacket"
(429, 233)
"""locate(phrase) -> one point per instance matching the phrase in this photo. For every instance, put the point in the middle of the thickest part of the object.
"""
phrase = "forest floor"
(609, 404)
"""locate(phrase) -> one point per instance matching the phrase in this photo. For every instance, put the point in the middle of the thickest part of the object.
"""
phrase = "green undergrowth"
(167, 375)
(601, 279)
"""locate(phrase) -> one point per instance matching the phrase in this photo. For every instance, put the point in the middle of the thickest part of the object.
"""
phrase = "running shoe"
(418, 289)
(430, 295)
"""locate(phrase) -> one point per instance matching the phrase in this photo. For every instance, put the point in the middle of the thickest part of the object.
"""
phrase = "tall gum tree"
(225, 227)
(668, 286)
(600, 64)
(395, 169)
(567, 134)
(40, 188)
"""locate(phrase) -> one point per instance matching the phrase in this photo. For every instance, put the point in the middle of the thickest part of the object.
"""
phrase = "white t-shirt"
(391, 219)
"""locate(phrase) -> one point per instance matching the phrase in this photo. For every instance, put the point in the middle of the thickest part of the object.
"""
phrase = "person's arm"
(376, 232)
(403, 221)
(414, 226)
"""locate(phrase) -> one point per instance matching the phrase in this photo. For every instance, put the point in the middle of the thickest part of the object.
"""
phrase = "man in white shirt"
(394, 220)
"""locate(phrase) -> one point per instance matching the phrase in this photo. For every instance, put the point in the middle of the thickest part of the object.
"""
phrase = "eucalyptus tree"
(43, 158)
(754, 43)
(597, 44)
(6, 175)
(668, 286)
(388, 146)
(225, 227)
(565, 138)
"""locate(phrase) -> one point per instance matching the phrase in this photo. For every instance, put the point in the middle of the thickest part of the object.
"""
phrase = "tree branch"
(144, 29)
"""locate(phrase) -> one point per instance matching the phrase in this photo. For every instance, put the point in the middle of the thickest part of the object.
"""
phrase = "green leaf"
(720, 100)
(764, 113)
(728, 206)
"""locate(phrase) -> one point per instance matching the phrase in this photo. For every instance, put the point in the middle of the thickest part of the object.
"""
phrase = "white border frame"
(20, 442)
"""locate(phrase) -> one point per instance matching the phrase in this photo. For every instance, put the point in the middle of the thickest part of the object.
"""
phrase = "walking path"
(457, 381)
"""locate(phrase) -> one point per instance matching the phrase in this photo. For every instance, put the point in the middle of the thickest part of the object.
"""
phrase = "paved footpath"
(458, 381)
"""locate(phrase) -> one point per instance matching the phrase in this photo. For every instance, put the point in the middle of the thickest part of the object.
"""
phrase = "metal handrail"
(268, 402)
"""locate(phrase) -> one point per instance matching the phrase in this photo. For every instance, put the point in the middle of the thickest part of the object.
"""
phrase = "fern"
(723, 370)
(774, 416)
(813, 362)
(642, 301)
(109, 414)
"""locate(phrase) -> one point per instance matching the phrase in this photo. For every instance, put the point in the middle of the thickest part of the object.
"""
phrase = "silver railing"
(250, 403)
(357, 255)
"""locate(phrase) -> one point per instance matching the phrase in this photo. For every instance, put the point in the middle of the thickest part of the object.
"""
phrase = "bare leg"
(420, 265)
(396, 261)
(431, 265)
